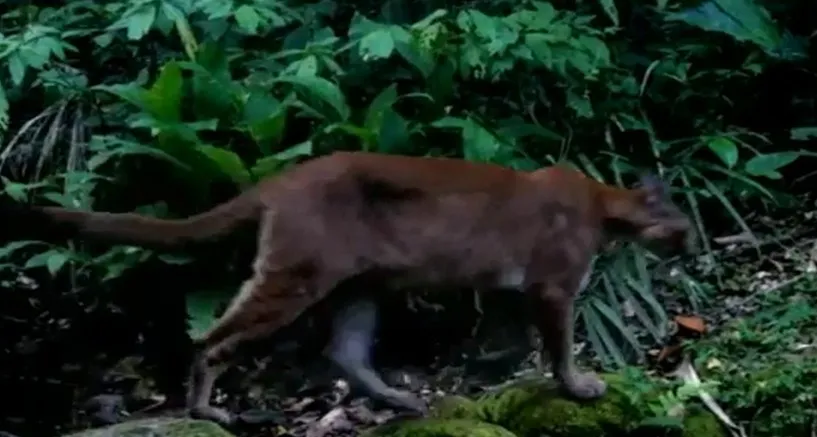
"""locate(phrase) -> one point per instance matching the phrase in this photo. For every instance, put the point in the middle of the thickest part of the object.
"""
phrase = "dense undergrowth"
(169, 106)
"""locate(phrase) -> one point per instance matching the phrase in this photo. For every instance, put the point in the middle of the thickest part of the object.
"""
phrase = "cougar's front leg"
(353, 331)
(555, 323)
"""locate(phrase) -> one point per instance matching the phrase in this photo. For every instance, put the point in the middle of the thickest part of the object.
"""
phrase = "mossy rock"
(701, 423)
(535, 408)
(436, 427)
(456, 407)
(157, 427)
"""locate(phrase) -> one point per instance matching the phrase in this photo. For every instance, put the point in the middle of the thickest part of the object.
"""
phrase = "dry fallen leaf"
(693, 323)
(334, 420)
(667, 351)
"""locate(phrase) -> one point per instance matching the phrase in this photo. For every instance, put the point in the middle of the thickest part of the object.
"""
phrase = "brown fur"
(417, 220)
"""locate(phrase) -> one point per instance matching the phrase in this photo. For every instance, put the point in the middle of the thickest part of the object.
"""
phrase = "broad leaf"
(202, 307)
(478, 143)
(382, 102)
(744, 20)
(767, 164)
(164, 98)
(140, 21)
(248, 19)
(393, 134)
(228, 162)
(272, 164)
(725, 149)
(322, 90)
(52, 260)
(377, 45)
(804, 133)
(610, 9)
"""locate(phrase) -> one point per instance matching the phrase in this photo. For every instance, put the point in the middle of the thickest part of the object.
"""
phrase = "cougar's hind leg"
(353, 331)
(265, 303)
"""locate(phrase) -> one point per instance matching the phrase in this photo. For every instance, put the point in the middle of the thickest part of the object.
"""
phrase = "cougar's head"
(646, 213)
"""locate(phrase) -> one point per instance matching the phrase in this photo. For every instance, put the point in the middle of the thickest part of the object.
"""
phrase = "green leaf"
(419, 57)
(726, 149)
(393, 134)
(202, 307)
(4, 110)
(714, 190)
(767, 164)
(300, 149)
(430, 19)
(377, 45)
(140, 22)
(265, 118)
(615, 320)
(248, 19)
(478, 143)
(175, 259)
(451, 122)
(215, 94)
(737, 177)
(361, 26)
(744, 20)
(269, 131)
(307, 66)
(272, 164)
(165, 96)
(364, 134)
(120, 259)
(52, 259)
(14, 246)
(259, 106)
(804, 133)
(107, 147)
(17, 68)
(55, 262)
(610, 9)
(599, 335)
(516, 127)
(266, 166)
(162, 100)
(383, 101)
(228, 162)
(321, 89)
(15, 190)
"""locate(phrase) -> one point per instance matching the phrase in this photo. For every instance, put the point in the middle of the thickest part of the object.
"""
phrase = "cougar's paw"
(585, 386)
(218, 415)
(408, 401)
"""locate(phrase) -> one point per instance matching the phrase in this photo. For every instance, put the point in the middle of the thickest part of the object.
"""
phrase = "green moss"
(435, 427)
(455, 407)
(533, 408)
(536, 408)
(158, 427)
(702, 423)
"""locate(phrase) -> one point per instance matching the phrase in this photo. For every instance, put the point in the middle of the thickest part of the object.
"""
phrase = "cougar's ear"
(655, 190)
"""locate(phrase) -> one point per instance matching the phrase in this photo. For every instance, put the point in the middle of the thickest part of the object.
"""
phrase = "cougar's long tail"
(129, 228)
